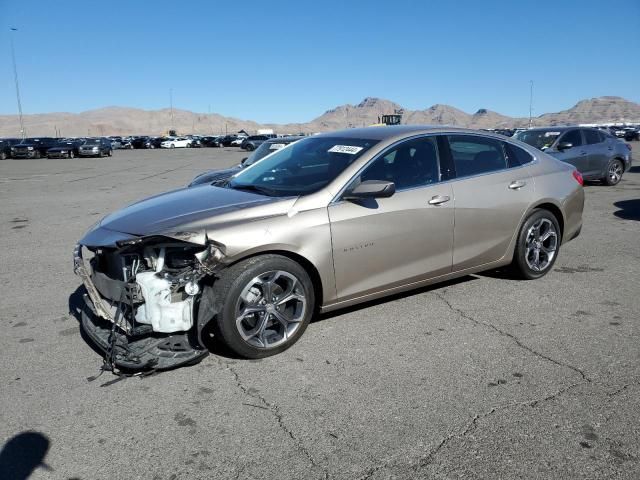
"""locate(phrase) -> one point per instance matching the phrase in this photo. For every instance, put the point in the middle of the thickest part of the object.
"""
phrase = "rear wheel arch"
(554, 209)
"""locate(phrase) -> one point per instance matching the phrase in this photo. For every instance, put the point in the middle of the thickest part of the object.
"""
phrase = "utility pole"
(171, 106)
(15, 76)
(530, 102)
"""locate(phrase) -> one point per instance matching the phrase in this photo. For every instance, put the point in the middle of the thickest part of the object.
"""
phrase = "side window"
(473, 155)
(517, 156)
(574, 137)
(413, 163)
(592, 136)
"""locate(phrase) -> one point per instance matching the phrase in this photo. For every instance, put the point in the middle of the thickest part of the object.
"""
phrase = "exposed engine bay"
(143, 297)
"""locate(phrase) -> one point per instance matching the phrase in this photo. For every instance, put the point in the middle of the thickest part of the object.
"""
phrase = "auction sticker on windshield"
(551, 134)
(276, 146)
(351, 150)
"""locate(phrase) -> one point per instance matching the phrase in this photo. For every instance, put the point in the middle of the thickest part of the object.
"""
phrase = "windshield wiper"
(253, 188)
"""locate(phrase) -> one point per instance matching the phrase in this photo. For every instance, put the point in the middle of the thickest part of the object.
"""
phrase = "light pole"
(530, 102)
(15, 76)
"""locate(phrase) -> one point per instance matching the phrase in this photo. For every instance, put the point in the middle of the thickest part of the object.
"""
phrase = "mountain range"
(132, 121)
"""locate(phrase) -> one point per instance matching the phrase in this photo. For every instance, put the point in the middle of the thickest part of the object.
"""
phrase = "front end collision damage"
(148, 298)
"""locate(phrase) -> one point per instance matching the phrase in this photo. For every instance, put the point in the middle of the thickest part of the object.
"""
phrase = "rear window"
(517, 156)
(476, 155)
(592, 136)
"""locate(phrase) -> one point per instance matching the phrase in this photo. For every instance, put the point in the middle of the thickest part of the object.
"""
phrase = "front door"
(577, 155)
(385, 242)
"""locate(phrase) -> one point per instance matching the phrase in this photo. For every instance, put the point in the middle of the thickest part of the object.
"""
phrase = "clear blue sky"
(290, 61)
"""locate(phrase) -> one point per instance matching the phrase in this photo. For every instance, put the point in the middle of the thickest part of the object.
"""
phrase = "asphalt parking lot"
(485, 377)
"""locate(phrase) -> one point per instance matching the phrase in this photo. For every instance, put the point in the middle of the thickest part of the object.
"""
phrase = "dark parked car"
(631, 134)
(139, 142)
(5, 147)
(253, 142)
(225, 140)
(33, 147)
(65, 148)
(154, 142)
(96, 147)
(215, 177)
(596, 154)
(211, 141)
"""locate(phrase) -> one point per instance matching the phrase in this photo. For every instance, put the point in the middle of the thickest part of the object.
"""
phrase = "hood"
(215, 175)
(174, 210)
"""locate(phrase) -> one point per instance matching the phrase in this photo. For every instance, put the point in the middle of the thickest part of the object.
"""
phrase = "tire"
(3, 155)
(37, 154)
(71, 154)
(243, 285)
(110, 153)
(532, 245)
(101, 154)
(249, 147)
(172, 146)
(615, 169)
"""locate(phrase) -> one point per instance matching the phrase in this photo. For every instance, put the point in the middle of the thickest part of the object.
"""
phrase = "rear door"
(385, 242)
(491, 194)
(598, 151)
(577, 155)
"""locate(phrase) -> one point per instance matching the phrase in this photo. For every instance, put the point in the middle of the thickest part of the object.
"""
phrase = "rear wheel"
(3, 155)
(538, 245)
(615, 169)
(267, 303)
(71, 154)
(110, 153)
(37, 154)
(173, 146)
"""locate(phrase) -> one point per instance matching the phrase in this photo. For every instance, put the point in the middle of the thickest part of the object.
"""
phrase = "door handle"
(439, 199)
(517, 184)
(583, 153)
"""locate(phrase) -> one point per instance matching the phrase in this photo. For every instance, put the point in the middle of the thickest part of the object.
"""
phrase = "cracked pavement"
(482, 377)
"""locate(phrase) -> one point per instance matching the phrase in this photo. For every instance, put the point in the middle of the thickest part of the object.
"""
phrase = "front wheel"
(71, 154)
(267, 304)
(172, 146)
(615, 169)
(538, 245)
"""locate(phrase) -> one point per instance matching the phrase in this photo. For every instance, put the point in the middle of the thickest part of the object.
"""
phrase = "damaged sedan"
(326, 222)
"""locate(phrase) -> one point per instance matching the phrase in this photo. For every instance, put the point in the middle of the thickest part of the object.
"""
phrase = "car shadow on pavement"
(76, 306)
(391, 298)
(23, 454)
(635, 169)
(629, 209)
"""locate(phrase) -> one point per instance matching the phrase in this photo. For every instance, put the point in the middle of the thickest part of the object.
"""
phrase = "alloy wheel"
(270, 309)
(615, 172)
(541, 245)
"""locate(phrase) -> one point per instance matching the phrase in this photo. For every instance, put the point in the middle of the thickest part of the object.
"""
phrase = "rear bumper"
(57, 154)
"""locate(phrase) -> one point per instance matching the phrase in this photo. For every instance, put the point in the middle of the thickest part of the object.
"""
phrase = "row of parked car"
(47, 147)
(246, 142)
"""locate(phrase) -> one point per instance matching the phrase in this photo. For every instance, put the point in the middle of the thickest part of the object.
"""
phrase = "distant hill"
(132, 121)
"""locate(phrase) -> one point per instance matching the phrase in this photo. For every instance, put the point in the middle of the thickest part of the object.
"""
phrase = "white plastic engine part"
(158, 310)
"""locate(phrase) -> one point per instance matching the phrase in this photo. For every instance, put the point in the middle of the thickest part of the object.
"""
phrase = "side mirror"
(564, 146)
(243, 161)
(371, 189)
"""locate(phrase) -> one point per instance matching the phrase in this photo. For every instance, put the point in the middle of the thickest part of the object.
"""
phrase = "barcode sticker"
(351, 150)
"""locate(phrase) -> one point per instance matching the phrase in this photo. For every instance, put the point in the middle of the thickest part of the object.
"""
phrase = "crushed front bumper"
(134, 348)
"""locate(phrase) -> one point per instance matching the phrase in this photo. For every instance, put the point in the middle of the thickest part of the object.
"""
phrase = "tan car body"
(354, 253)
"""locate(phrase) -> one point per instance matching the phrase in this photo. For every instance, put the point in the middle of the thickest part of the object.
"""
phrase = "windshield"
(541, 139)
(263, 150)
(303, 167)
(92, 141)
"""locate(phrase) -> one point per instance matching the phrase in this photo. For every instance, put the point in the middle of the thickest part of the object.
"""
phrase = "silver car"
(596, 154)
(326, 222)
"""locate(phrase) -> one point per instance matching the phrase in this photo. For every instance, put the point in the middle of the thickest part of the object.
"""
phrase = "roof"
(400, 131)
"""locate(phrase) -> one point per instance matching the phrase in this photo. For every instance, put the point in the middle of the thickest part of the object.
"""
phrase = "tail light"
(578, 177)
